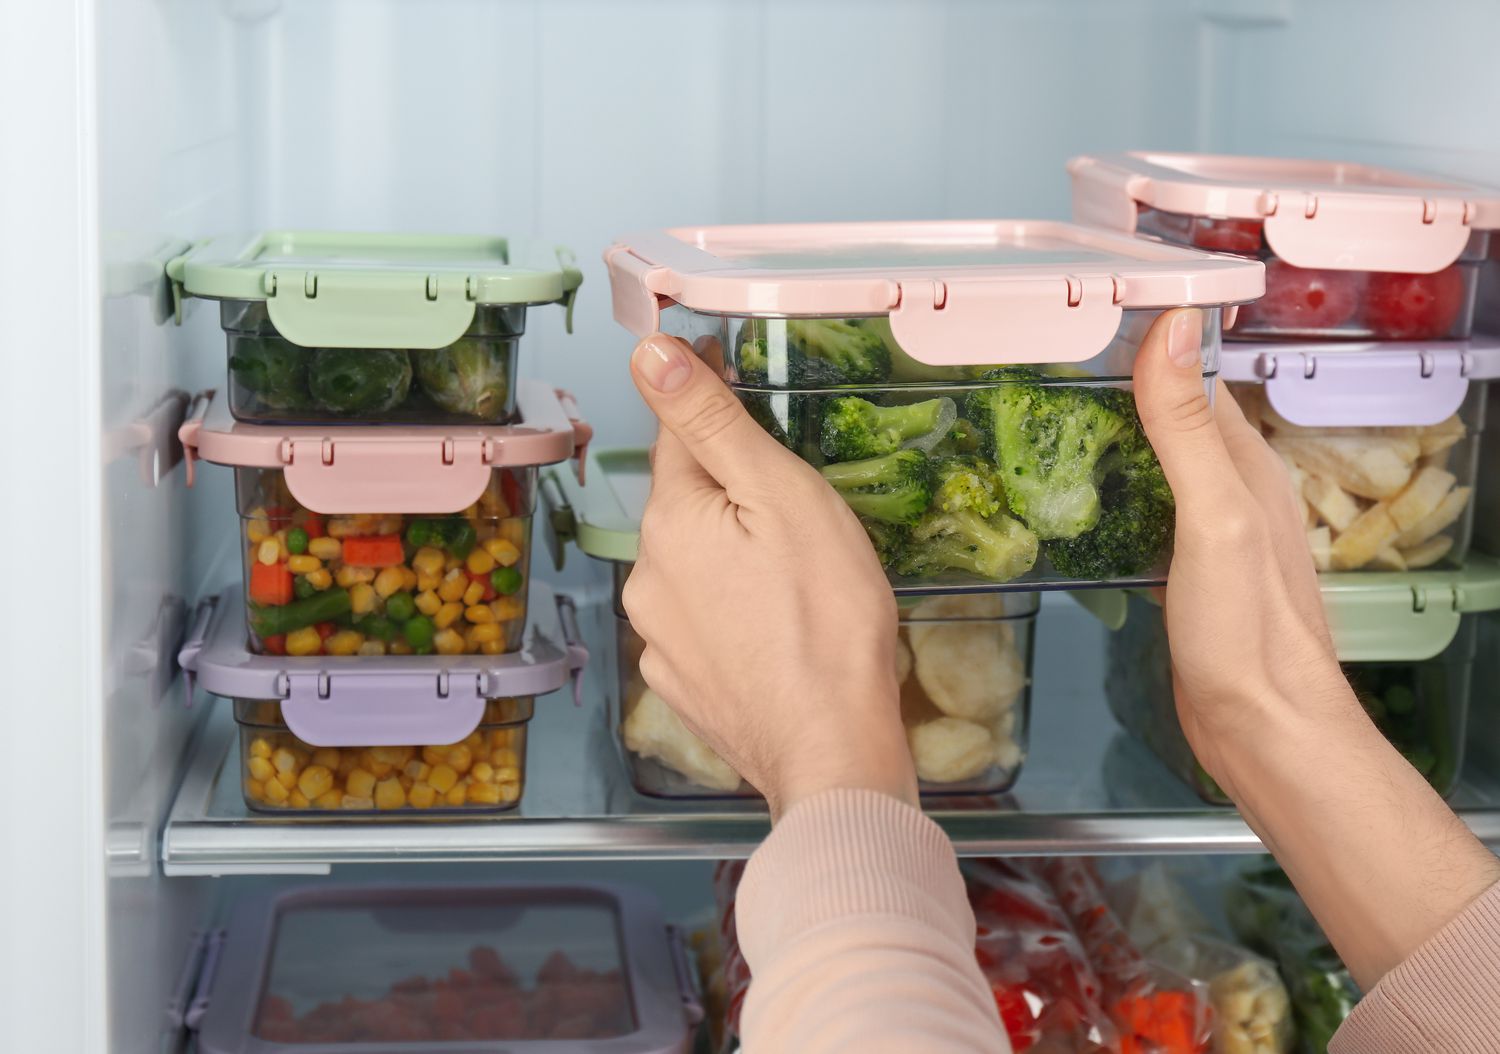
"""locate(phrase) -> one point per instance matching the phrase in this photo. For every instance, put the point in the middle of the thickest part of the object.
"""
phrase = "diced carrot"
(510, 490)
(489, 587)
(313, 525)
(378, 550)
(325, 630)
(274, 645)
(270, 583)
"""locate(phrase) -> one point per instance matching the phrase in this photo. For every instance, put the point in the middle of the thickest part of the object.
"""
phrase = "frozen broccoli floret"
(1136, 519)
(359, 380)
(1048, 441)
(754, 368)
(995, 547)
(855, 428)
(469, 377)
(783, 414)
(275, 370)
(859, 353)
(889, 540)
(961, 438)
(895, 488)
(963, 482)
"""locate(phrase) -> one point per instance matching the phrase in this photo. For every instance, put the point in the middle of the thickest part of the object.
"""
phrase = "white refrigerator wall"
(137, 124)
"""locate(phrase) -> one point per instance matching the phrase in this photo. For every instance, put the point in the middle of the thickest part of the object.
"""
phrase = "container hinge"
(1371, 389)
(369, 309)
(386, 707)
(194, 987)
(1439, 600)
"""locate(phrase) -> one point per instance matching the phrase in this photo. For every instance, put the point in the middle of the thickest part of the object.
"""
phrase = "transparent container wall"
(486, 771)
(385, 584)
(390, 976)
(272, 380)
(972, 487)
(1310, 303)
(964, 665)
(1421, 707)
(859, 353)
(1380, 498)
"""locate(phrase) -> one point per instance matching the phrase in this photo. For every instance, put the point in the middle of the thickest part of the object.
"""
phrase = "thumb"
(1177, 414)
(698, 409)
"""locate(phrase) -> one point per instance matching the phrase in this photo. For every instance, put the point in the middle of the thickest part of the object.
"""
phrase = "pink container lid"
(1326, 214)
(954, 290)
(392, 468)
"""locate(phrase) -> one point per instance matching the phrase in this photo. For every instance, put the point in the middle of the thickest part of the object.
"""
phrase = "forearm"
(1380, 859)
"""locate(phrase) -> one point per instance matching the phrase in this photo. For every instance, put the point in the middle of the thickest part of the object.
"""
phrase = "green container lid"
(356, 290)
(603, 518)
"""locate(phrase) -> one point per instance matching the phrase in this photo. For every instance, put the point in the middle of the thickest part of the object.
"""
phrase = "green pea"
(302, 588)
(377, 626)
(418, 631)
(296, 541)
(506, 580)
(399, 607)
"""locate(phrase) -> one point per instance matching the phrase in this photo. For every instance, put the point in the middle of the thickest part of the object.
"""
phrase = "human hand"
(768, 623)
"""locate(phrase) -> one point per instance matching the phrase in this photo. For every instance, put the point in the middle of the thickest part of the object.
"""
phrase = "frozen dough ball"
(949, 750)
(969, 669)
(653, 730)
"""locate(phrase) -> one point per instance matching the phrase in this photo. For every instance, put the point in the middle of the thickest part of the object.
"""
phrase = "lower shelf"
(1086, 788)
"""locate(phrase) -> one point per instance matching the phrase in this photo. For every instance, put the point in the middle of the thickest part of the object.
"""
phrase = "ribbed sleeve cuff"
(1444, 997)
(846, 853)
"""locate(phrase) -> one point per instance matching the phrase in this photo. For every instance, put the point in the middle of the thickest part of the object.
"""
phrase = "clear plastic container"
(373, 328)
(1383, 445)
(1421, 705)
(1352, 252)
(964, 664)
(485, 771)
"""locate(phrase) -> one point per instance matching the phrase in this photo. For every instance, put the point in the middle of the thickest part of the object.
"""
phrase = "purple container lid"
(243, 965)
(386, 701)
(1363, 385)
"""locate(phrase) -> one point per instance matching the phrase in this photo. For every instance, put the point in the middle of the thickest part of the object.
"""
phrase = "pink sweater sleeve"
(1445, 997)
(853, 920)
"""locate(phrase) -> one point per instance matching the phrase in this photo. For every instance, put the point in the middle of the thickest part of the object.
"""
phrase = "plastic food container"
(1383, 443)
(1352, 251)
(964, 663)
(872, 351)
(388, 541)
(372, 328)
(493, 969)
(429, 733)
(1408, 647)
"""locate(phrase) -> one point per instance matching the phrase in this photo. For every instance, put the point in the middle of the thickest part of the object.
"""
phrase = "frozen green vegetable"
(855, 428)
(895, 488)
(273, 369)
(995, 547)
(469, 377)
(1136, 519)
(358, 380)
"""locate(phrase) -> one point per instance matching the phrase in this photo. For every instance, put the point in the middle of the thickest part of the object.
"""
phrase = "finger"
(675, 471)
(696, 407)
(1178, 416)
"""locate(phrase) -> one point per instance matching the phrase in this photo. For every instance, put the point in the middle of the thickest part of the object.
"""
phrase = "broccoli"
(859, 353)
(1048, 441)
(358, 380)
(470, 377)
(855, 428)
(961, 483)
(995, 547)
(275, 370)
(889, 540)
(786, 415)
(753, 367)
(962, 438)
(1136, 521)
(894, 488)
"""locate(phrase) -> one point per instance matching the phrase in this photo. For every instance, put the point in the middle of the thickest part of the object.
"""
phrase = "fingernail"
(662, 362)
(1185, 339)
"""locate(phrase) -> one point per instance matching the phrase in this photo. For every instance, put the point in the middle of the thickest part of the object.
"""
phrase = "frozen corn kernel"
(460, 758)
(275, 793)
(457, 795)
(507, 774)
(507, 608)
(381, 769)
(328, 757)
(360, 783)
(428, 561)
(388, 581)
(348, 763)
(503, 551)
(417, 769)
(407, 783)
(479, 561)
(434, 755)
(260, 747)
(344, 526)
(283, 760)
(442, 777)
(474, 594)
(320, 580)
(349, 577)
(255, 789)
(479, 613)
(325, 548)
(372, 647)
(304, 641)
(400, 647)
(259, 769)
(482, 772)
(408, 579)
(396, 756)
(485, 628)
(297, 800)
(429, 603)
(268, 552)
(448, 642)
(492, 647)
(447, 615)
(428, 583)
(362, 598)
(422, 796)
(389, 794)
(257, 527)
(315, 781)
(514, 532)
(452, 563)
(344, 642)
(331, 800)
(510, 792)
(354, 801)
(455, 583)
(484, 793)
(286, 779)
(504, 756)
(303, 564)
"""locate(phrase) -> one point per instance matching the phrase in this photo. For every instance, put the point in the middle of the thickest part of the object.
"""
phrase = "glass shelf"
(1085, 788)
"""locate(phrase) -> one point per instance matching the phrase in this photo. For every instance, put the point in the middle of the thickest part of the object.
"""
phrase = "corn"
(260, 747)
(320, 579)
(268, 552)
(408, 578)
(505, 758)
(362, 598)
(388, 581)
(507, 608)
(352, 801)
(479, 614)
(344, 526)
(255, 789)
(428, 561)
(510, 792)
(452, 563)
(434, 755)
(389, 794)
(492, 647)
(328, 757)
(474, 594)
(276, 794)
(257, 527)
(427, 583)
(259, 769)
(508, 774)
(479, 561)
(501, 737)
(348, 577)
(482, 772)
(448, 642)
(447, 615)
(381, 769)
(400, 647)
(347, 764)
(455, 583)
(304, 641)
(503, 551)
(460, 758)
(442, 778)
(326, 548)
(286, 779)
(359, 783)
(484, 794)
(331, 800)
(303, 564)
(486, 629)
(372, 647)
(297, 800)
(283, 760)
(457, 795)
(407, 783)
(315, 781)
(514, 532)
(422, 796)
(474, 740)
(344, 642)
(429, 603)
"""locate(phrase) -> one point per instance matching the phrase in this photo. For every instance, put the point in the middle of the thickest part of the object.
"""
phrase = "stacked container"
(386, 464)
(963, 663)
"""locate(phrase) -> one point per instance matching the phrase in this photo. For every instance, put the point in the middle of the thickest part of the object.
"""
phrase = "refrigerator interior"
(151, 123)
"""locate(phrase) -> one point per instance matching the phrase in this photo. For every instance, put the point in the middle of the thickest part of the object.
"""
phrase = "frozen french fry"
(1437, 459)
(1320, 541)
(1445, 515)
(1428, 553)
(1366, 536)
(1388, 559)
(1407, 448)
(1441, 436)
(1282, 427)
(1370, 468)
(1423, 494)
(1330, 501)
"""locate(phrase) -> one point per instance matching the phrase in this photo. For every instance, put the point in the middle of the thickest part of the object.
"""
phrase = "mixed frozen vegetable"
(483, 770)
(372, 584)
